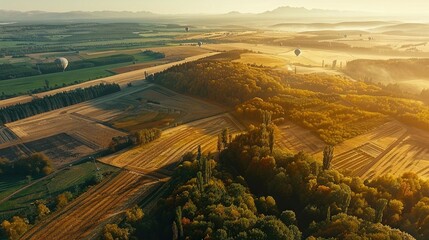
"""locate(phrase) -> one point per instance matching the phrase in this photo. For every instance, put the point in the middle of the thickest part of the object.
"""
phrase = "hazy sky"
(214, 6)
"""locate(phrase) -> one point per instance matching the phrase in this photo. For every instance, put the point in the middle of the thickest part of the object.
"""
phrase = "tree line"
(142, 137)
(153, 54)
(36, 165)
(56, 101)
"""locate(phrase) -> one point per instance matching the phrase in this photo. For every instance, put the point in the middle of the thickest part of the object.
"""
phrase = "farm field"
(10, 185)
(62, 137)
(23, 85)
(297, 139)
(71, 133)
(174, 143)
(66, 180)
(134, 77)
(146, 167)
(6, 135)
(160, 107)
(390, 149)
(86, 216)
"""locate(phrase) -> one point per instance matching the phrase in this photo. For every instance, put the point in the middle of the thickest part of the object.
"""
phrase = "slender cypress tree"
(328, 155)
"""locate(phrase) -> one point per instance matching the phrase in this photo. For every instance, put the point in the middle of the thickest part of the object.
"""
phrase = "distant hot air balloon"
(62, 63)
(200, 44)
(297, 52)
(187, 29)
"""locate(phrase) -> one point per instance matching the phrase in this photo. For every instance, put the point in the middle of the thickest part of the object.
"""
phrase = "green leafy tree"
(42, 211)
(15, 228)
(114, 232)
(134, 214)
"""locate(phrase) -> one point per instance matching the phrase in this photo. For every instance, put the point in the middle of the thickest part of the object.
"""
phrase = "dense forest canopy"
(333, 107)
(252, 192)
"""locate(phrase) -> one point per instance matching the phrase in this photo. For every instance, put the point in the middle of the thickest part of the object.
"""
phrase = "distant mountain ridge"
(281, 12)
(6, 15)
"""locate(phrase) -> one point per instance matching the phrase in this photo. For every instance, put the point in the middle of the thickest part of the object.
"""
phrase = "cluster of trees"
(36, 165)
(126, 228)
(142, 137)
(410, 112)
(210, 203)
(14, 228)
(52, 102)
(146, 136)
(225, 82)
(156, 55)
(227, 56)
(252, 192)
(329, 84)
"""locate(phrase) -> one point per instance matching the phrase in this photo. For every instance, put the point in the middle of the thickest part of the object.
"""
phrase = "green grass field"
(23, 85)
(63, 181)
(10, 185)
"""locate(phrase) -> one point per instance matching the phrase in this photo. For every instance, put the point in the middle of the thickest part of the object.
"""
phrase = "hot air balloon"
(200, 44)
(187, 29)
(62, 63)
(297, 52)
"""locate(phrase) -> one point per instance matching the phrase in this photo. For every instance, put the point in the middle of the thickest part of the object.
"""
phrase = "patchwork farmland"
(145, 168)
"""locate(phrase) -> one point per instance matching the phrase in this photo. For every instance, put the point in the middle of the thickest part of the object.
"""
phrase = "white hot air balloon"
(200, 44)
(62, 63)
